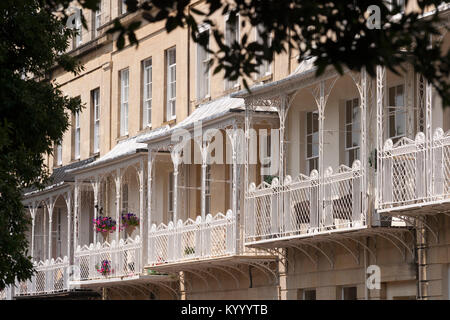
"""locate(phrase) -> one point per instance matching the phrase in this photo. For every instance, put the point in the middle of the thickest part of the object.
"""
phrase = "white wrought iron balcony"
(51, 276)
(212, 237)
(305, 206)
(416, 173)
(103, 262)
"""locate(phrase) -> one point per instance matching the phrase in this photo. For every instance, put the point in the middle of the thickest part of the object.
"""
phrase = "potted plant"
(189, 251)
(104, 268)
(104, 225)
(129, 222)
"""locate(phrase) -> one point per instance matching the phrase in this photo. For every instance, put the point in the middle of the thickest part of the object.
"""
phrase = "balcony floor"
(136, 279)
(331, 236)
(209, 262)
(423, 208)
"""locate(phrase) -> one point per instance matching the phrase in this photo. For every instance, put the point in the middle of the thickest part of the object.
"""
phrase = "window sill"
(124, 137)
(234, 89)
(201, 101)
(95, 154)
(169, 122)
(267, 78)
(146, 129)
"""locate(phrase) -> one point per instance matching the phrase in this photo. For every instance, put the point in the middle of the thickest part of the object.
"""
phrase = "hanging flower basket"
(104, 268)
(105, 226)
(129, 222)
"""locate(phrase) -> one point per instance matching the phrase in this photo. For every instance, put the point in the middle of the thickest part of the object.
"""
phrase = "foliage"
(104, 268)
(335, 32)
(104, 224)
(129, 220)
(33, 115)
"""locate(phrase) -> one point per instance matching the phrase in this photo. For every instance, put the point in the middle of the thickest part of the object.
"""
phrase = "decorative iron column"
(429, 139)
(50, 206)
(118, 181)
(204, 148)
(282, 116)
(95, 187)
(68, 198)
(33, 221)
(176, 161)
(141, 209)
(150, 160)
(364, 159)
(76, 214)
(321, 109)
(381, 79)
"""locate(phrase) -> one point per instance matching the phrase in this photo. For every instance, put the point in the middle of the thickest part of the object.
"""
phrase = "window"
(312, 141)
(171, 86)
(95, 96)
(59, 154)
(97, 20)
(309, 294)
(266, 154)
(352, 130)
(396, 113)
(208, 190)
(77, 135)
(124, 89)
(400, 3)
(125, 198)
(122, 7)
(147, 91)
(203, 61)
(264, 68)
(79, 27)
(170, 196)
(231, 35)
(349, 293)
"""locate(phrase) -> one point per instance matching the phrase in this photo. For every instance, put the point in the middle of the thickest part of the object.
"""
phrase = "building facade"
(300, 189)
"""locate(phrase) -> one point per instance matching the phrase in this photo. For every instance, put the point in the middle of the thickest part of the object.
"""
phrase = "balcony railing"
(109, 260)
(51, 276)
(408, 166)
(293, 209)
(212, 237)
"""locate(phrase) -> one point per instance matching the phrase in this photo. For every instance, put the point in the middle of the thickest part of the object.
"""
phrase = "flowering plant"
(104, 224)
(104, 268)
(129, 220)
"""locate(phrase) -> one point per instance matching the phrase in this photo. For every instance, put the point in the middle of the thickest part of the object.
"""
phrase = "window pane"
(315, 144)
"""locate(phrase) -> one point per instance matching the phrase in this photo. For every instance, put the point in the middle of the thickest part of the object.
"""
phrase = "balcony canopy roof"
(206, 112)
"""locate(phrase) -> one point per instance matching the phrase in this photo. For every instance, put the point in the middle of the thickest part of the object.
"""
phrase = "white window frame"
(203, 70)
(96, 106)
(79, 35)
(352, 132)
(59, 154)
(147, 83)
(229, 85)
(123, 7)
(77, 135)
(124, 95)
(395, 113)
(97, 19)
(265, 69)
(171, 97)
(307, 134)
